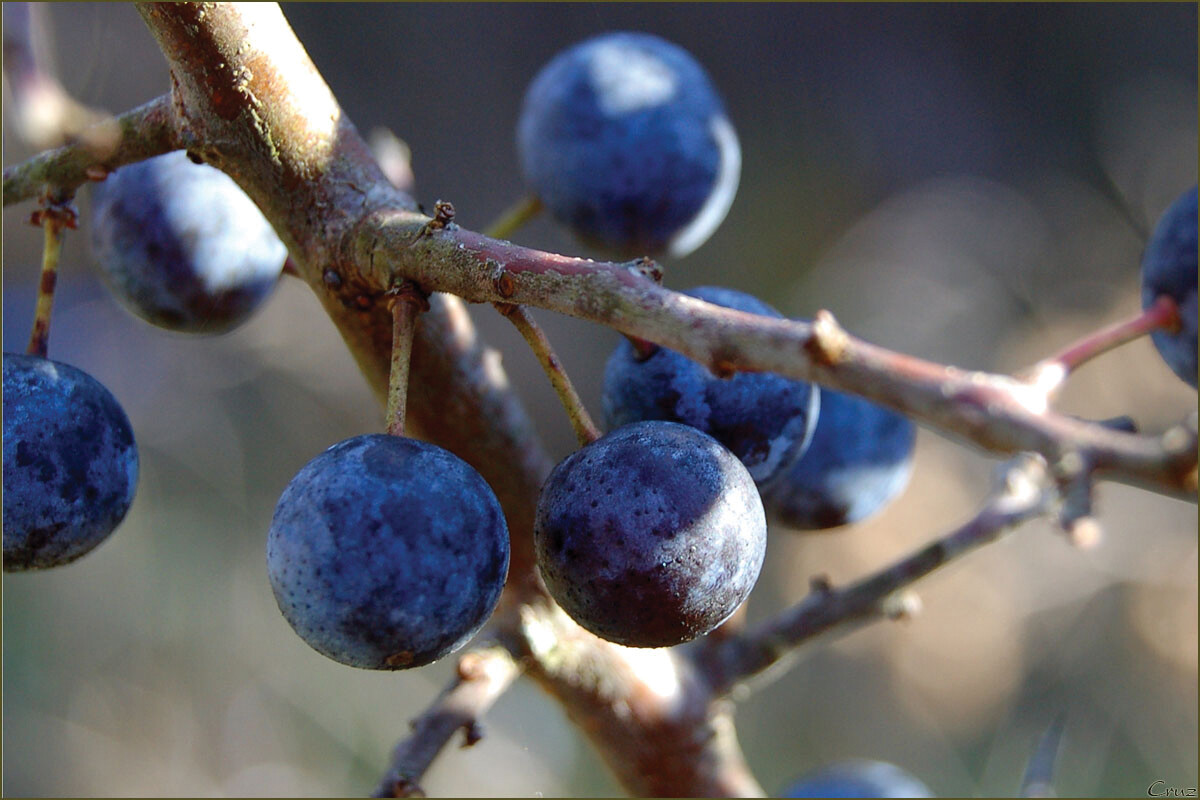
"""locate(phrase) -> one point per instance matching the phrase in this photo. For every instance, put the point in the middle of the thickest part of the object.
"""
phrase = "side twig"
(483, 675)
(1025, 493)
(1050, 374)
(136, 135)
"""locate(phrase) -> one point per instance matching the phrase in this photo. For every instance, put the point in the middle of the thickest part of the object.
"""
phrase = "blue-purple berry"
(625, 140)
(860, 459)
(387, 552)
(70, 463)
(1169, 268)
(182, 246)
(765, 419)
(858, 778)
(650, 536)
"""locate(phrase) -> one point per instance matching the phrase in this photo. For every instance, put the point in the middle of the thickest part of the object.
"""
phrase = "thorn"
(472, 733)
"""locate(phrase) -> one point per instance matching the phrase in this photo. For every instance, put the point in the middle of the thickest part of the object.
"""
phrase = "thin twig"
(407, 303)
(136, 135)
(482, 676)
(1025, 494)
(581, 422)
(996, 412)
(1049, 374)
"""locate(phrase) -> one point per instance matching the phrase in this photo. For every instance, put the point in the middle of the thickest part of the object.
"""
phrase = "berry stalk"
(53, 219)
(581, 422)
(407, 302)
(1051, 373)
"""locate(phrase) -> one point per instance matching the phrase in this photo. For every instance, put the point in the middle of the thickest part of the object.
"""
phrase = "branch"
(995, 412)
(247, 99)
(136, 135)
(483, 675)
(1026, 492)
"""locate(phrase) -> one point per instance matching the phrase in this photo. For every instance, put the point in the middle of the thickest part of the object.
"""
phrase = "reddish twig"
(1049, 374)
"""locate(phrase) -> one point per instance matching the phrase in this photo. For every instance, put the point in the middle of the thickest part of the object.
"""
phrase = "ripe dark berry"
(387, 552)
(625, 140)
(650, 536)
(1169, 267)
(70, 463)
(181, 246)
(859, 459)
(858, 778)
(766, 420)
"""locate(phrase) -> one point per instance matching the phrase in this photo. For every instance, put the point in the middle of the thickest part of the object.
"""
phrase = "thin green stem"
(514, 217)
(581, 422)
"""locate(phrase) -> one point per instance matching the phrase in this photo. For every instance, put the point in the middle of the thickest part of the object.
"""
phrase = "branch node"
(648, 268)
(820, 584)
(901, 606)
(503, 283)
(828, 341)
(472, 734)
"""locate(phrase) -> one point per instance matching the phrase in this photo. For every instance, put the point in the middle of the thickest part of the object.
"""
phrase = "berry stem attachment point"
(514, 217)
(1051, 373)
(407, 301)
(585, 430)
(641, 348)
(54, 218)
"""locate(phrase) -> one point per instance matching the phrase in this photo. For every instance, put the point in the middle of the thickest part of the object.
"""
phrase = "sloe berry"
(1169, 267)
(70, 463)
(181, 246)
(858, 778)
(651, 535)
(766, 420)
(625, 140)
(860, 458)
(387, 552)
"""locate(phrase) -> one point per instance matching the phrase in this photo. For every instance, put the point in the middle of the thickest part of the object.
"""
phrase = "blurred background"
(968, 183)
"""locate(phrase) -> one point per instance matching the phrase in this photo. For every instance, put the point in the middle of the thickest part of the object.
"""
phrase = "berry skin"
(764, 419)
(625, 140)
(858, 778)
(181, 246)
(860, 458)
(70, 463)
(1169, 267)
(650, 536)
(387, 552)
